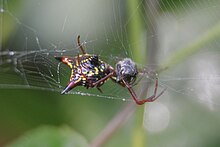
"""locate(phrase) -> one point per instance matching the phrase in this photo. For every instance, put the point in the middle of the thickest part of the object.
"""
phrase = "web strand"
(29, 57)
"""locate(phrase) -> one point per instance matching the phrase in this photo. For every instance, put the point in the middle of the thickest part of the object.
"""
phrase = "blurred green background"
(178, 38)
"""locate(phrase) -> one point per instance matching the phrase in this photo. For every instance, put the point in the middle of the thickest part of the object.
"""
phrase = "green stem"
(135, 33)
(135, 29)
(206, 38)
(139, 132)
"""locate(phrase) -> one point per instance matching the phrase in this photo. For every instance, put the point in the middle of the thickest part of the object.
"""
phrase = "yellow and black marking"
(86, 69)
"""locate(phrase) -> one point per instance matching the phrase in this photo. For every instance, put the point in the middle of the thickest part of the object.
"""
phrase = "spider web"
(28, 54)
(33, 32)
(28, 62)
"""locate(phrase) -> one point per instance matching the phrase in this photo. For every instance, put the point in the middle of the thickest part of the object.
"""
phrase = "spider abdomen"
(86, 69)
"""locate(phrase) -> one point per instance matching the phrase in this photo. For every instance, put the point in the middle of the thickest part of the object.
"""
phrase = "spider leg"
(97, 83)
(149, 99)
(103, 79)
(137, 81)
(155, 96)
(79, 44)
(99, 89)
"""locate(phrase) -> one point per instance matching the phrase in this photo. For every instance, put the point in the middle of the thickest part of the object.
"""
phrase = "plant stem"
(135, 30)
(113, 125)
(139, 55)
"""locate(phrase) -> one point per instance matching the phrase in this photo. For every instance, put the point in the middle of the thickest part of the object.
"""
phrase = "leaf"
(49, 136)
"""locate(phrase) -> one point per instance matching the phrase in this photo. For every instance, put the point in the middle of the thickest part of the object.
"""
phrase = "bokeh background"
(177, 38)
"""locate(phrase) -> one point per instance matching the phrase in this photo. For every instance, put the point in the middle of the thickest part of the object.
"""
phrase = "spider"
(89, 71)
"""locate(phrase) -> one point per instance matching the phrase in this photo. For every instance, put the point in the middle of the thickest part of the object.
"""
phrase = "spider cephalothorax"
(126, 69)
(89, 71)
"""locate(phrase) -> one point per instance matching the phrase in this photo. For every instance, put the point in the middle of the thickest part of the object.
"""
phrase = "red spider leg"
(99, 81)
(79, 44)
(149, 99)
(112, 72)
(103, 79)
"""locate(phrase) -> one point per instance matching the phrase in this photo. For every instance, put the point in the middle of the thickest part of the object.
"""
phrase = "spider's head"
(126, 69)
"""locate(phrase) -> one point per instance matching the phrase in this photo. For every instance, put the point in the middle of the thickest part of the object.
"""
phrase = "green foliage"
(48, 136)
(23, 110)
